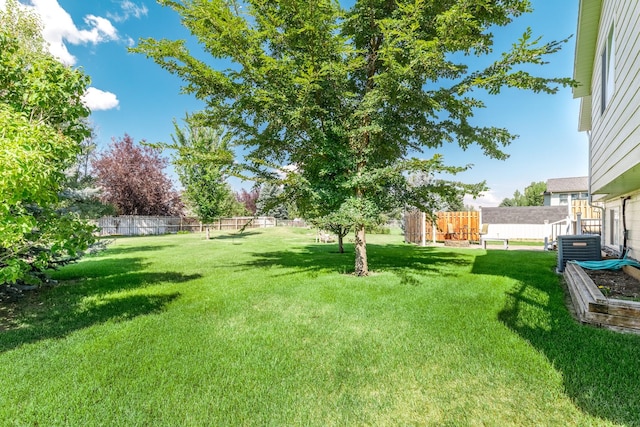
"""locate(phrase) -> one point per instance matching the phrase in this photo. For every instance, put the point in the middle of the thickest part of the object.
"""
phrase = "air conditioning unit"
(585, 247)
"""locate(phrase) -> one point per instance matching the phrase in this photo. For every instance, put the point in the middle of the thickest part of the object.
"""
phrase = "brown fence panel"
(582, 206)
(464, 226)
(413, 226)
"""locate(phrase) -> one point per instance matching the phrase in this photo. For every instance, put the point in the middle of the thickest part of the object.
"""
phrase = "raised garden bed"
(593, 307)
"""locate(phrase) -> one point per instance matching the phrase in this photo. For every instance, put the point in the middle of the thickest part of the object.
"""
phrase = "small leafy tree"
(42, 123)
(249, 199)
(337, 223)
(366, 86)
(534, 193)
(202, 159)
(533, 196)
(131, 178)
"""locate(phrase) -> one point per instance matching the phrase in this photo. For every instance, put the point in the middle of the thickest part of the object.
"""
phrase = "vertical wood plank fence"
(586, 211)
(414, 227)
(419, 230)
(465, 225)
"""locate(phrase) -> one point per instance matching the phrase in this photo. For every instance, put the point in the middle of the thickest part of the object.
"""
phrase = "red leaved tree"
(132, 179)
(249, 198)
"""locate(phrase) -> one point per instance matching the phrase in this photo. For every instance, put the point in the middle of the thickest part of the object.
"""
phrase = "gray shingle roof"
(523, 214)
(568, 185)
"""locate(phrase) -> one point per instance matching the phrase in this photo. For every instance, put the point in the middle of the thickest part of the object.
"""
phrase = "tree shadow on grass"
(235, 235)
(600, 368)
(410, 263)
(89, 293)
(115, 249)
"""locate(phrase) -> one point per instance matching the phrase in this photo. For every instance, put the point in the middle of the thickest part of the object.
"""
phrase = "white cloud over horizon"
(486, 199)
(99, 100)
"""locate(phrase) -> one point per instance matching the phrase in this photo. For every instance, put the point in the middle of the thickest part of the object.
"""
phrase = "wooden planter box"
(594, 308)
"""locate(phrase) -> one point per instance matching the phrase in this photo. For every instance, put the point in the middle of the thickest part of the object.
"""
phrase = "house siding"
(632, 219)
(615, 138)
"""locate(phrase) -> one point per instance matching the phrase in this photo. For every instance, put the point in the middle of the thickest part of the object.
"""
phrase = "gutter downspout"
(590, 199)
(625, 232)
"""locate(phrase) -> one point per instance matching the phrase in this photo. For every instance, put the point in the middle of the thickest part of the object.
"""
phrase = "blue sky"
(131, 94)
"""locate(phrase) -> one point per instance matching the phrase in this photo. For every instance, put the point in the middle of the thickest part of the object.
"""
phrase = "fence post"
(423, 229)
(578, 223)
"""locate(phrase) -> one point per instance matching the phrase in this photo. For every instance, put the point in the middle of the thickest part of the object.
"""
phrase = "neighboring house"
(562, 191)
(522, 222)
(607, 69)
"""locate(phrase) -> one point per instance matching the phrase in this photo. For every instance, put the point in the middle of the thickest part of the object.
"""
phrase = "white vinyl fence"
(130, 225)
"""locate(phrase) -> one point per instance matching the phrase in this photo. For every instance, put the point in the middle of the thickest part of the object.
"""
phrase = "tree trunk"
(340, 244)
(362, 268)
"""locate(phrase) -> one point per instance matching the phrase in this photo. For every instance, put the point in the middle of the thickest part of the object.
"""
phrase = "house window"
(564, 199)
(608, 71)
(614, 227)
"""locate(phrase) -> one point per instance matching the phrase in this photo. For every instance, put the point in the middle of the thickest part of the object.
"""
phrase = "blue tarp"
(607, 264)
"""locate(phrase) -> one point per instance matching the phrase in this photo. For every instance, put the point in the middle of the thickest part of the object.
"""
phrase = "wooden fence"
(586, 211)
(414, 228)
(448, 226)
(457, 226)
(466, 226)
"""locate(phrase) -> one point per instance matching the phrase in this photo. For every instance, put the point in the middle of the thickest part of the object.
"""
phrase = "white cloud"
(286, 170)
(97, 100)
(486, 199)
(129, 9)
(59, 29)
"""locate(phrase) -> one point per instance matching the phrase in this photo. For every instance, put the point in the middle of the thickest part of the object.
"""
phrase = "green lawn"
(268, 328)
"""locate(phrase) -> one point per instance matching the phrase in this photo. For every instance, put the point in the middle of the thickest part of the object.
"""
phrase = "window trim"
(608, 70)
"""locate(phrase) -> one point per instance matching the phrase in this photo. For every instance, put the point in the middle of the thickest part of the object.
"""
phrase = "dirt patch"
(13, 302)
(615, 284)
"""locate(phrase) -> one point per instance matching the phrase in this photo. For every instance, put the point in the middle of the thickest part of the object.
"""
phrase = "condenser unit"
(584, 247)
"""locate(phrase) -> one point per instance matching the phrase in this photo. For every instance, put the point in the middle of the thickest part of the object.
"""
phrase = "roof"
(568, 185)
(585, 55)
(523, 214)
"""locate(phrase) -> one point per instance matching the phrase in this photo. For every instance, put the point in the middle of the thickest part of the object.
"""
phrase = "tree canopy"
(42, 125)
(131, 177)
(533, 196)
(202, 158)
(347, 99)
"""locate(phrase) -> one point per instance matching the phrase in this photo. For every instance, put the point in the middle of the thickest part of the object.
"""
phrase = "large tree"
(42, 124)
(131, 177)
(366, 87)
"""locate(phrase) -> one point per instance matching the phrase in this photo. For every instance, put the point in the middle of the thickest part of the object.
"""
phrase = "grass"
(265, 328)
